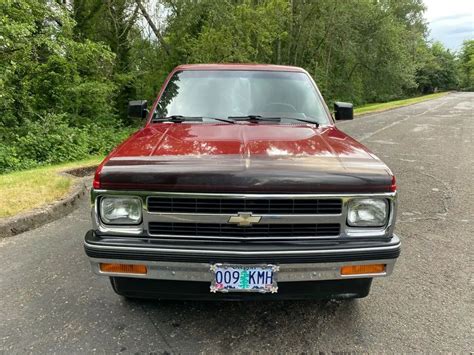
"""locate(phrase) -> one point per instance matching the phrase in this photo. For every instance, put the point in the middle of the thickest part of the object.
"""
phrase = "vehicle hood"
(244, 157)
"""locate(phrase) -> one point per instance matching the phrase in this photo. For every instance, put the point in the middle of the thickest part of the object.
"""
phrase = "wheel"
(114, 286)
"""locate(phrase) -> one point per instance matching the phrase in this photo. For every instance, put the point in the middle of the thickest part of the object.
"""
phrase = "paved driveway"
(50, 301)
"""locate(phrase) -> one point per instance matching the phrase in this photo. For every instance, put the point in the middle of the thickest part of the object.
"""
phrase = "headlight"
(121, 210)
(367, 212)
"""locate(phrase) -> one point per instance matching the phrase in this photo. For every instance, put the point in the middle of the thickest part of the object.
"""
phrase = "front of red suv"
(240, 186)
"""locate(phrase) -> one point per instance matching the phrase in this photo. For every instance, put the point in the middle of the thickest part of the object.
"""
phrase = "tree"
(466, 65)
(53, 88)
(111, 22)
(438, 70)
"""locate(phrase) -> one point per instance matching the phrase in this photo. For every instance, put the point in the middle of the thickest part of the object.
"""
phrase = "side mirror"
(343, 111)
(137, 109)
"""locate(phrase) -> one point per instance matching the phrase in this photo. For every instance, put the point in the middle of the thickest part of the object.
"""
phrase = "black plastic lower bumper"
(145, 250)
(181, 290)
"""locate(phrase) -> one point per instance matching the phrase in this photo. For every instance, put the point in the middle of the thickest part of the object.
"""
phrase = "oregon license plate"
(244, 278)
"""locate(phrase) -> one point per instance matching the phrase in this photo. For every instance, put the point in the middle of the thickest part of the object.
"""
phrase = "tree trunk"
(153, 27)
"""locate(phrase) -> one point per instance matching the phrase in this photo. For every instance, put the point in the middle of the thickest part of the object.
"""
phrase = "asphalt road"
(51, 302)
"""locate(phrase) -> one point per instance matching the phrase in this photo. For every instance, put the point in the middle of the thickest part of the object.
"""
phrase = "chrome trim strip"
(182, 271)
(233, 195)
(269, 239)
(265, 218)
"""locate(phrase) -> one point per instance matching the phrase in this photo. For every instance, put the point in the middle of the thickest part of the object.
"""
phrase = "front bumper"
(296, 263)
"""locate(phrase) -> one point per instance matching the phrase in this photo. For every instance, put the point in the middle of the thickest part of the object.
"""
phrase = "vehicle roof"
(232, 66)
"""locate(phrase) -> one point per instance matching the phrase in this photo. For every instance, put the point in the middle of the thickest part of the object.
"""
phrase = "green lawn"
(25, 190)
(369, 108)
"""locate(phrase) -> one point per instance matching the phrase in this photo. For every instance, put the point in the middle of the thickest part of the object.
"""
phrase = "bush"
(57, 92)
(50, 140)
(9, 160)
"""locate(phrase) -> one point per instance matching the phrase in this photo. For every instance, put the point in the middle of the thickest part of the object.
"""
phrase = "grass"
(24, 190)
(378, 107)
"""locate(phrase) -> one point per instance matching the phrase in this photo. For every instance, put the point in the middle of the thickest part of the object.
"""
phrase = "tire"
(114, 287)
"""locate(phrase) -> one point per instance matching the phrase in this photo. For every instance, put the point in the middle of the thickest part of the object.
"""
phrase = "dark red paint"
(244, 157)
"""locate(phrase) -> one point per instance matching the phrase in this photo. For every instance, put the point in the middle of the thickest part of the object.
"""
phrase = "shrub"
(50, 140)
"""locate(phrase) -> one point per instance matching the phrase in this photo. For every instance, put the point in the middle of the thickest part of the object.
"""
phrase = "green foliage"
(466, 65)
(51, 140)
(56, 93)
(240, 33)
(362, 51)
(437, 70)
(111, 22)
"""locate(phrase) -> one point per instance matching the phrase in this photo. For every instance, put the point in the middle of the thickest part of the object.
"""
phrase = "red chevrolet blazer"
(240, 186)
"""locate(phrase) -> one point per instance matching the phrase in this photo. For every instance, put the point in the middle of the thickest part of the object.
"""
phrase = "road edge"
(356, 115)
(37, 217)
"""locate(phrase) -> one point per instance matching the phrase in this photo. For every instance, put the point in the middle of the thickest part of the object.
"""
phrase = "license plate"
(244, 278)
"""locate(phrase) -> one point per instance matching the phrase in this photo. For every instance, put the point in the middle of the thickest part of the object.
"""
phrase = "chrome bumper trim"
(180, 271)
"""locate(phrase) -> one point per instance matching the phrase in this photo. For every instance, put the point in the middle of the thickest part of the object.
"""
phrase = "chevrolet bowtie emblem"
(244, 219)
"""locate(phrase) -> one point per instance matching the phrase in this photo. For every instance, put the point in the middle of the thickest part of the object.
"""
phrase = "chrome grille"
(289, 215)
(235, 205)
(264, 231)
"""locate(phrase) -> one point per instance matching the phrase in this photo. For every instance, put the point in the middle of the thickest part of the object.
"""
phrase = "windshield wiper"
(220, 119)
(230, 119)
(274, 119)
(177, 118)
(254, 118)
(302, 120)
(181, 118)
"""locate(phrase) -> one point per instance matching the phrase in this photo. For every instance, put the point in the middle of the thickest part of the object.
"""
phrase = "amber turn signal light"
(123, 268)
(363, 269)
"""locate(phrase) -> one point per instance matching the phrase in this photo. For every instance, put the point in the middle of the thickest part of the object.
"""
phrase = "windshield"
(224, 93)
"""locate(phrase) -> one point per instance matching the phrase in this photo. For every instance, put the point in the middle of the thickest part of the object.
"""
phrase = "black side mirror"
(137, 109)
(343, 111)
